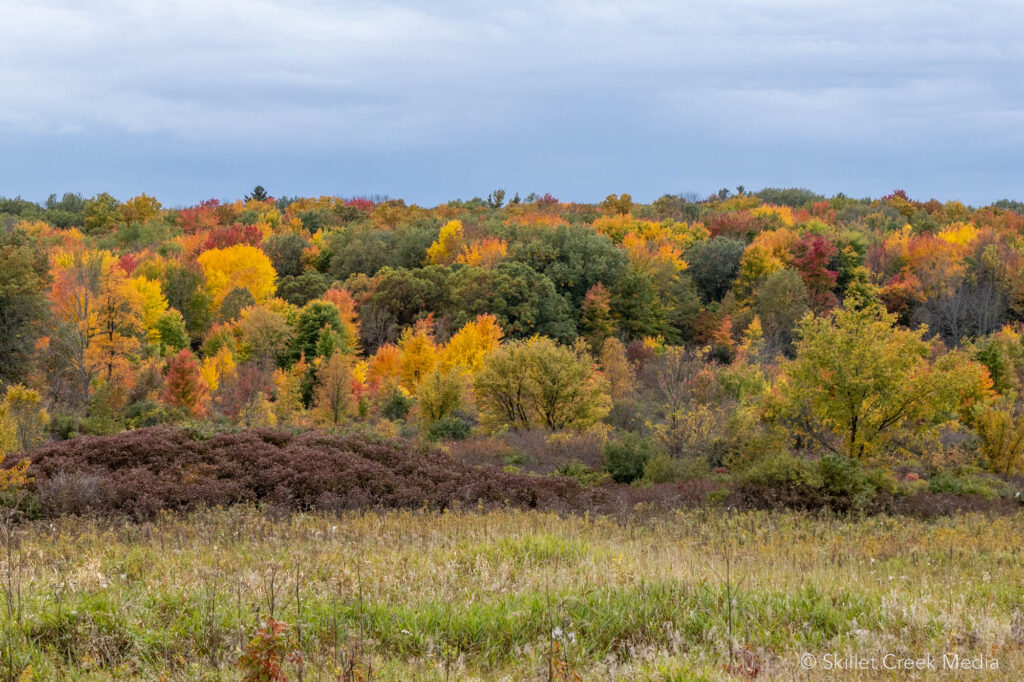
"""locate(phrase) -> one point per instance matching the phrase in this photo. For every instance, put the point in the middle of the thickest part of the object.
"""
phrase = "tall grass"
(421, 595)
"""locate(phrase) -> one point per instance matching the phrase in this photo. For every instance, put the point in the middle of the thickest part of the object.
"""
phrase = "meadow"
(511, 595)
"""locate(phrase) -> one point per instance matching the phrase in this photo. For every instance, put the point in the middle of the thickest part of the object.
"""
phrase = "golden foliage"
(238, 266)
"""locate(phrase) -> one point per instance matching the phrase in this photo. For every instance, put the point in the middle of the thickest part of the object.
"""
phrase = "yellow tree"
(439, 395)
(485, 253)
(237, 267)
(471, 344)
(287, 395)
(419, 354)
(23, 420)
(333, 397)
(219, 367)
(99, 314)
(617, 369)
(537, 382)
(139, 209)
(449, 241)
(119, 317)
(154, 304)
(77, 279)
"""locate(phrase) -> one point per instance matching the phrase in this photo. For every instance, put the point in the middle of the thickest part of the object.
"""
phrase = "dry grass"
(464, 595)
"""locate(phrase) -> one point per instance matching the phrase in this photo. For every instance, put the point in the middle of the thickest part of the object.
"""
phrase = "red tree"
(184, 386)
(811, 257)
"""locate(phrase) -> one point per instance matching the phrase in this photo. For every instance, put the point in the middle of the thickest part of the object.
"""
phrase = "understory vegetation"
(137, 474)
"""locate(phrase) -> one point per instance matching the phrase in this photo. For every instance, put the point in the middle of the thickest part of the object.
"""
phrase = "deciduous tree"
(859, 381)
(239, 266)
(184, 386)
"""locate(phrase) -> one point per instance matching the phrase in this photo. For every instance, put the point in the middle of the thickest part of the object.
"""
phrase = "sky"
(431, 101)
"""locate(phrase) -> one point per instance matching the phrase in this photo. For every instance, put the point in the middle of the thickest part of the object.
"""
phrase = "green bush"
(843, 478)
(583, 474)
(968, 481)
(449, 428)
(625, 459)
(65, 426)
(882, 479)
(148, 413)
(781, 470)
(519, 459)
(663, 468)
(396, 406)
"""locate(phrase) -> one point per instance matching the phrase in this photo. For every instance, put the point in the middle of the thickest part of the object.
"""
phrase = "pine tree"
(258, 194)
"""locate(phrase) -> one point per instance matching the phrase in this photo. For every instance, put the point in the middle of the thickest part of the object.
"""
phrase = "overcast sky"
(431, 101)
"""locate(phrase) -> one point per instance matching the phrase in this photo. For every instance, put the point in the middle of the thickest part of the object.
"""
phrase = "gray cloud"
(433, 100)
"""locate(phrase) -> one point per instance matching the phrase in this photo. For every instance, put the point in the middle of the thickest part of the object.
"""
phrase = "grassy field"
(513, 595)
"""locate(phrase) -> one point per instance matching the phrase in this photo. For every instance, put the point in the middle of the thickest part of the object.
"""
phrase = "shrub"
(138, 473)
(663, 468)
(148, 413)
(65, 426)
(625, 459)
(583, 474)
(71, 493)
(397, 405)
(449, 428)
(518, 459)
(780, 470)
(265, 655)
(587, 447)
(968, 481)
(845, 482)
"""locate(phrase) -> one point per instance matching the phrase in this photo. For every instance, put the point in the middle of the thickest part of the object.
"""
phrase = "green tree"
(316, 319)
(524, 301)
(24, 309)
(257, 194)
(714, 265)
(102, 213)
(537, 382)
(184, 287)
(285, 253)
(439, 395)
(781, 302)
(682, 309)
(300, 290)
(597, 320)
(170, 328)
(574, 258)
(234, 303)
(859, 382)
(636, 305)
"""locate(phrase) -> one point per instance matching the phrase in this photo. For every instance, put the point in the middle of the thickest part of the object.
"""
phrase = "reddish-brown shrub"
(141, 472)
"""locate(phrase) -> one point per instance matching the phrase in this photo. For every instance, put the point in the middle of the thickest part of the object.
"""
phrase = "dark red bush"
(140, 472)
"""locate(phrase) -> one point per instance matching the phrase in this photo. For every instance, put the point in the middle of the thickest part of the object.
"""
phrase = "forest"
(836, 349)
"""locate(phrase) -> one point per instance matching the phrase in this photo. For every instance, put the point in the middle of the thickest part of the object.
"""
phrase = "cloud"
(564, 93)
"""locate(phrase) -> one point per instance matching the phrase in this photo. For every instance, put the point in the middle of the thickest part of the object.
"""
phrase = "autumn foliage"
(730, 329)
